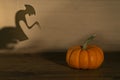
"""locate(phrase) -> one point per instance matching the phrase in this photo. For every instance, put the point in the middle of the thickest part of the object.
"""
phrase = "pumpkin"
(86, 56)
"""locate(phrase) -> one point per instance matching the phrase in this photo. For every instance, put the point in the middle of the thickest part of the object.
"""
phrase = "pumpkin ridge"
(100, 50)
(79, 57)
(76, 50)
(88, 58)
(70, 56)
(84, 64)
(90, 52)
(100, 53)
(96, 54)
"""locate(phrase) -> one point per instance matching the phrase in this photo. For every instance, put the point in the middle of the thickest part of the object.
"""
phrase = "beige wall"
(66, 23)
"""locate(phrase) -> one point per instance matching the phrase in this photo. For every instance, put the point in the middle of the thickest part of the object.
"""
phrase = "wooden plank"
(52, 65)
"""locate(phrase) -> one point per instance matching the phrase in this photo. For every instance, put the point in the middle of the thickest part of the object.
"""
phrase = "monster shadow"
(11, 35)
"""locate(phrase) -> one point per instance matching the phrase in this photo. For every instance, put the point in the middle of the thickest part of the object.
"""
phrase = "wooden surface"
(52, 66)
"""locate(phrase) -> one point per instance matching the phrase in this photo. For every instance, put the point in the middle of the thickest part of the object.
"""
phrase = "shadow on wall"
(10, 35)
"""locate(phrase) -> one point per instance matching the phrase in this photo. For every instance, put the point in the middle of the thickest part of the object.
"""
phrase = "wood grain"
(52, 66)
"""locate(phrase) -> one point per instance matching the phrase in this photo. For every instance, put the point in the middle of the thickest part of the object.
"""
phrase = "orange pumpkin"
(86, 56)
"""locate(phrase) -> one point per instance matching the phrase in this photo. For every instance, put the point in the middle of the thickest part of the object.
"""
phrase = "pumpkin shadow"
(58, 57)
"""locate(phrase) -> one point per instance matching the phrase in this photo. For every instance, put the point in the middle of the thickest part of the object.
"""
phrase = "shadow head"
(30, 10)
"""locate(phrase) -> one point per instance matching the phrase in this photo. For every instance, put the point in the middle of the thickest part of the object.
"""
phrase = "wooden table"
(52, 66)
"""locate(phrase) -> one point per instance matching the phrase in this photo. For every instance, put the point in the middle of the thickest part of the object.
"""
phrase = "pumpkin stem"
(87, 41)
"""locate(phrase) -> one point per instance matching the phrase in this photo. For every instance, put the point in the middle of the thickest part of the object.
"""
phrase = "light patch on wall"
(7, 12)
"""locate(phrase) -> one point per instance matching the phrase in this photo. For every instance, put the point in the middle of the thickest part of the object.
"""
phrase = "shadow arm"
(36, 23)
